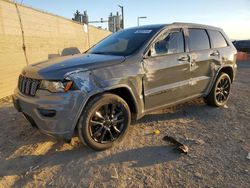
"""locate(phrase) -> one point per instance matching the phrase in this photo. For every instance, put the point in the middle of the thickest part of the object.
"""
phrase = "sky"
(231, 15)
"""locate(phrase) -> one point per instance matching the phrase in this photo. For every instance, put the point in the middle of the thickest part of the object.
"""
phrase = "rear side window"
(217, 40)
(198, 39)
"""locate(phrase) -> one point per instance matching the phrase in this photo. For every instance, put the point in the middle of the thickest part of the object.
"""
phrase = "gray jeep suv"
(125, 76)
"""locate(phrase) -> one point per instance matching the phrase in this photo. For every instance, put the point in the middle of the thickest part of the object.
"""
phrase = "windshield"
(124, 42)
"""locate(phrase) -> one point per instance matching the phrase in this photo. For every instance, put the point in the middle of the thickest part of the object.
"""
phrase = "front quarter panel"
(124, 75)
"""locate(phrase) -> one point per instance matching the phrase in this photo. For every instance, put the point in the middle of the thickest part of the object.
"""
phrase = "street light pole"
(138, 19)
(122, 9)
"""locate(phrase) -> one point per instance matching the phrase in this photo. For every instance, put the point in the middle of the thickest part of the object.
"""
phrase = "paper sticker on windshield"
(144, 31)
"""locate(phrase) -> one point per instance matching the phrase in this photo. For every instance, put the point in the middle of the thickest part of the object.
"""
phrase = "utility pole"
(122, 9)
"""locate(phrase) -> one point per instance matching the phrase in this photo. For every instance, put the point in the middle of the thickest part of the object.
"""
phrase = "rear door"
(167, 70)
(220, 46)
(202, 60)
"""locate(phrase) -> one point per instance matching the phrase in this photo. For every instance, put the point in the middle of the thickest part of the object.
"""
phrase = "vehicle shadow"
(142, 157)
(22, 164)
(18, 150)
(86, 157)
(20, 134)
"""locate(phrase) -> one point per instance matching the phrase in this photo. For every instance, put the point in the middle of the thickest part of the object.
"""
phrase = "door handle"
(184, 58)
(215, 53)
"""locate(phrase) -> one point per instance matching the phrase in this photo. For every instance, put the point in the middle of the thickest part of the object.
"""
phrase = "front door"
(167, 70)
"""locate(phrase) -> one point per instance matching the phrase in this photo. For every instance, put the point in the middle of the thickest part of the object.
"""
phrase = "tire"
(104, 121)
(220, 92)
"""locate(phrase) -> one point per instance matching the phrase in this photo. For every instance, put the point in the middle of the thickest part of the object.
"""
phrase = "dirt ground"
(218, 141)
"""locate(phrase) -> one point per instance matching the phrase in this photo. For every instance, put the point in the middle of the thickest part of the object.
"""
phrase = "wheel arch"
(126, 94)
(122, 91)
(228, 70)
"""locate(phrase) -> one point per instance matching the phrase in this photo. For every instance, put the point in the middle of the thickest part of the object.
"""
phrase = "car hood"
(55, 69)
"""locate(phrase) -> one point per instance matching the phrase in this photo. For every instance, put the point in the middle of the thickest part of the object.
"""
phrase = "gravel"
(218, 140)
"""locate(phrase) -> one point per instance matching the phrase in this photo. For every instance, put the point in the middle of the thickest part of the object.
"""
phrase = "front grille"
(28, 86)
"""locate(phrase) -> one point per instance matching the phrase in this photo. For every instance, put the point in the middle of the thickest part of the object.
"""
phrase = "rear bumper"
(53, 114)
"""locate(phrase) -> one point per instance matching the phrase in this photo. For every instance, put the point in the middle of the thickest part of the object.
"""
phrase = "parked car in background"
(125, 76)
(242, 45)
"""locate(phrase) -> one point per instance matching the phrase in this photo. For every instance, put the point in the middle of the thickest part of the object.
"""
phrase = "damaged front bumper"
(54, 114)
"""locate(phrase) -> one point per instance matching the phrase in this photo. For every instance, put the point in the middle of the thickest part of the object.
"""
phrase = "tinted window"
(198, 39)
(124, 42)
(217, 40)
(169, 43)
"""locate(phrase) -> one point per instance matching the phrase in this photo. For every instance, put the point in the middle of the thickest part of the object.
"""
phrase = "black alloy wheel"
(220, 92)
(107, 123)
(104, 121)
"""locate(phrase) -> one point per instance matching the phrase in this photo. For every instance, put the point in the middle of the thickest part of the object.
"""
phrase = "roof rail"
(186, 23)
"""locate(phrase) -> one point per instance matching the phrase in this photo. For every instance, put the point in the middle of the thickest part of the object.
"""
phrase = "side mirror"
(150, 53)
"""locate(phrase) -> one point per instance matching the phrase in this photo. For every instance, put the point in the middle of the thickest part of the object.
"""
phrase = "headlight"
(56, 87)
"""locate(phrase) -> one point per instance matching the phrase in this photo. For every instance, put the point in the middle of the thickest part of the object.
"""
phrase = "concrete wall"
(43, 35)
